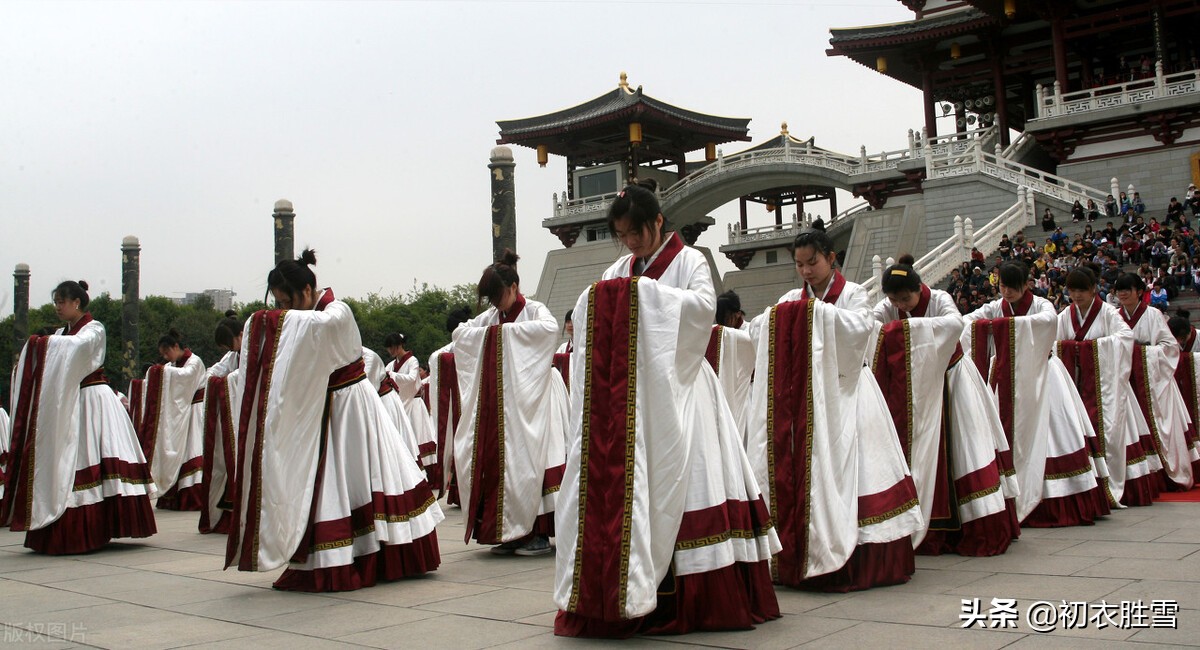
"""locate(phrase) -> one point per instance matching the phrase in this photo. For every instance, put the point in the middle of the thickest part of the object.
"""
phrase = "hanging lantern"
(881, 64)
(955, 51)
(770, 206)
(1010, 8)
(635, 133)
(710, 152)
(543, 155)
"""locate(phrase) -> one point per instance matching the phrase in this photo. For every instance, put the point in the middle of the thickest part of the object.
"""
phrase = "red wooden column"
(927, 96)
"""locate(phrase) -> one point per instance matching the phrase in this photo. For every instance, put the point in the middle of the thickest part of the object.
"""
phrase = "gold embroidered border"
(908, 391)
(630, 442)
(584, 443)
(771, 425)
(808, 435)
(414, 513)
(1070, 474)
(890, 514)
(1101, 435)
(979, 494)
(1153, 419)
(500, 430)
(720, 348)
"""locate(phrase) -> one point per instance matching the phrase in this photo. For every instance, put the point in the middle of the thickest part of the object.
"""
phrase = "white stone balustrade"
(1055, 103)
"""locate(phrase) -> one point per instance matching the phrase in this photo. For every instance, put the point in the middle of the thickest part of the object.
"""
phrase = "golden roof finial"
(783, 129)
(624, 81)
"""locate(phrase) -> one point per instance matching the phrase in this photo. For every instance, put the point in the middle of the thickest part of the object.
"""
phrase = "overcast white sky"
(182, 123)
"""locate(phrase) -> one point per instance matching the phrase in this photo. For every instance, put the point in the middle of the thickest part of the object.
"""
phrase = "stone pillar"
(284, 231)
(504, 201)
(131, 253)
(20, 310)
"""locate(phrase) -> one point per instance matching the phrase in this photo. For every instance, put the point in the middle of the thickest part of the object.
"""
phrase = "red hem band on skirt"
(390, 562)
(190, 499)
(736, 597)
(871, 565)
(87, 528)
(1139, 491)
(989, 535)
(1071, 510)
(1014, 524)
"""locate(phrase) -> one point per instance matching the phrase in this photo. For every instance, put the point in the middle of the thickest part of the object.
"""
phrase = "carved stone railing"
(936, 265)
(1052, 102)
(995, 165)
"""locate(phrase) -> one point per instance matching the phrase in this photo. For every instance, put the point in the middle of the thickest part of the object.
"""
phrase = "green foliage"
(420, 315)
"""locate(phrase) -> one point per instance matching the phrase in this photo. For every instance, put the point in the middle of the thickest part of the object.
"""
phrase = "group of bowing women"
(677, 490)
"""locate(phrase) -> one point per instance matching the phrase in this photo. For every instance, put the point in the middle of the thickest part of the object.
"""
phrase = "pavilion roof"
(911, 31)
(593, 127)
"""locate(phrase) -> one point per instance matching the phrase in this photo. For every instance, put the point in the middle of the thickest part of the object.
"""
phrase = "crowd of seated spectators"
(1164, 249)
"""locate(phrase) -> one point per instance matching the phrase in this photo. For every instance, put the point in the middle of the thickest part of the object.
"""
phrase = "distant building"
(222, 299)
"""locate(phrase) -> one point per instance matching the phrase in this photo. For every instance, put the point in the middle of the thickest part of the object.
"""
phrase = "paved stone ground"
(169, 591)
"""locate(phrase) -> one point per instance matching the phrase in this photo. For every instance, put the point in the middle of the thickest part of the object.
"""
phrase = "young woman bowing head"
(323, 482)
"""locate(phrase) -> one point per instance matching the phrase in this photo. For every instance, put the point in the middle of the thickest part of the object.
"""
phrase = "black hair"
(1014, 274)
(571, 312)
(1129, 281)
(171, 339)
(291, 276)
(395, 339)
(907, 259)
(1179, 325)
(72, 290)
(227, 330)
(900, 277)
(498, 277)
(457, 317)
(728, 303)
(1082, 278)
(639, 202)
(819, 240)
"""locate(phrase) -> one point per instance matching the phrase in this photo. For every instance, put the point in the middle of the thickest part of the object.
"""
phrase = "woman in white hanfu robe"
(1152, 376)
(222, 395)
(1056, 471)
(944, 414)
(76, 475)
(731, 354)
(405, 373)
(324, 484)
(661, 525)
(822, 440)
(381, 381)
(173, 425)
(445, 407)
(1096, 346)
(1187, 376)
(508, 448)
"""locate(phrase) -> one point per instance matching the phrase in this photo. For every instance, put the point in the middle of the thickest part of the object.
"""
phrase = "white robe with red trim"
(179, 437)
(285, 437)
(1121, 417)
(972, 424)
(534, 402)
(881, 464)
(407, 376)
(446, 453)
(1170, 412)
(377, 373)
(75, 429)
(687, 454)
(735, 368)
(5, 439)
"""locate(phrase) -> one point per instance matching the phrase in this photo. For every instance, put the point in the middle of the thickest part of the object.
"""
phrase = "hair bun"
(231, 313)
(174, 333)
(1183, 313)
(648, 183)
(509, 257)
(308, 257)
(907, 259)
(83, 285)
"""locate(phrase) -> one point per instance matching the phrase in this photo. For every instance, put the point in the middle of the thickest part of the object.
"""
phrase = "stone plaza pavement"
(168, 591)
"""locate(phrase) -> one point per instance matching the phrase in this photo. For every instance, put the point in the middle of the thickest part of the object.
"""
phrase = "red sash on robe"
(219, 438)
(136, 390)
(1082, 360)
(449, 409)
(485, 516)
(607, 444)
(16, 508)
(1021, 307)
(1132, 320)
(148, 432)
(790, 431)
(1185, 376)
(400, 361)
(514, 311)
(562, 363)
(1139, 380)
(712, 354)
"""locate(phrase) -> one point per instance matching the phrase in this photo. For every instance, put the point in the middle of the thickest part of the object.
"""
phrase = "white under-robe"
(377, 374)
(222, 395)
(407, 376)
(734, 356)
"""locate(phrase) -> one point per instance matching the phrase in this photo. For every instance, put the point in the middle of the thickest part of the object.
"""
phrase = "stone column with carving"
(131, 256)
(504, 201)
(20, 309)
(284, 217)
